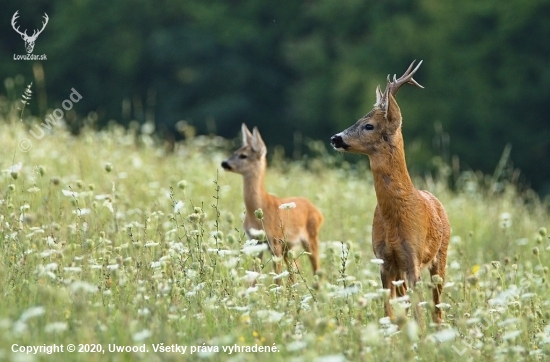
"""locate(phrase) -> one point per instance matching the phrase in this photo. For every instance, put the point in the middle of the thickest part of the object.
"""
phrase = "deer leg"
(277, 264)
(413, 277)
(289, 266)
(387, 279)
(402, 289)
(313, 250)
(438, 268)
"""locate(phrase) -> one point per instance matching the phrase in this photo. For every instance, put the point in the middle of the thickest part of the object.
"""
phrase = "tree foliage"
(305, 67)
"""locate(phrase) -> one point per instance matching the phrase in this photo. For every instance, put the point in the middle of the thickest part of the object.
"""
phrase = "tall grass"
(105, 239)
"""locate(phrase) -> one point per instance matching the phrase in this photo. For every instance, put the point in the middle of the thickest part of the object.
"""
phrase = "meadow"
(107, 241)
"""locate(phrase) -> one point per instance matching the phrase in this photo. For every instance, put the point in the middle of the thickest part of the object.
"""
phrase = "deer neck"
(392, 183)
(254, 190)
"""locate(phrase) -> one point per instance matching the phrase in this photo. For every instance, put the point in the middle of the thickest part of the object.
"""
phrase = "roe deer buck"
(410, 227)
(283, 232)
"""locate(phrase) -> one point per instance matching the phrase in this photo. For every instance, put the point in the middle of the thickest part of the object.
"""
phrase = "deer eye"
(368, 127)
(242, 156)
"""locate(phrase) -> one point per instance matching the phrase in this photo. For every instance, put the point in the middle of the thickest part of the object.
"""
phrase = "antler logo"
(29, 40)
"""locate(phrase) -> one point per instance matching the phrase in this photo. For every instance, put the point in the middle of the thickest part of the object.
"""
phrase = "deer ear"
(393, 113)
(258, 144)
(247, 136)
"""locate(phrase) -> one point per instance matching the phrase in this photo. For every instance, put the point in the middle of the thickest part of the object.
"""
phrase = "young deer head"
(284, 229)
(29, 40)
(250, 158)
(410, 227)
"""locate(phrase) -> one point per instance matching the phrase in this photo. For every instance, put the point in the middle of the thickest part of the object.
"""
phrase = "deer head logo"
(29, 40)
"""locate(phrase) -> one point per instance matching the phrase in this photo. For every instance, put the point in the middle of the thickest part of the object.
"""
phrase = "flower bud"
(182, 184)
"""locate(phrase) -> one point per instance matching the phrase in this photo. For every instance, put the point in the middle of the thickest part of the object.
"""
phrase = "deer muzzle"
(226, 166)
(338, 143)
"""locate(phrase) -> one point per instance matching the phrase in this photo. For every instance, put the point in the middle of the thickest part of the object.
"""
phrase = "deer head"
(375, 132)
(29, 40)
(250, 158)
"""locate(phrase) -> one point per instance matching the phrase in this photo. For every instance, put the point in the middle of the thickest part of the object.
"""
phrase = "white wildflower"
(354, 289)
(178, 206)
(251, 276)
(256, 234)
(511, 335)
(282, 275)
(270, 316)
(508, 322)
(55, 327)
(522, 241)
(445, 335)
(505, 220)
(69, 193)
(296, 346)
(231, 263)
(220, 252)
(103, 197)
(287, 206)
(144, 311)
(384, 320)
(109, 205)
(142, 335)
(82, 212)
(31, 313)
(331, 358)
(412, 330)
(377, 261)
(402, 299)
(15, 168)
(253, 249)
(84, 286)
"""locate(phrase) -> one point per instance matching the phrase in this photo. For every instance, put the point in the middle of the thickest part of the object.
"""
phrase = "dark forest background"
(299, 70)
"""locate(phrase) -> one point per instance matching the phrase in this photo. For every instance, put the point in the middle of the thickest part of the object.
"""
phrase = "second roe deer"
(298, 225)
(410, 229)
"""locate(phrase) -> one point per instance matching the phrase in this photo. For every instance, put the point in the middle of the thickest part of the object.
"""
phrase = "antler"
(46, 23)
(24, 34)
(407, 77)
(13, 20)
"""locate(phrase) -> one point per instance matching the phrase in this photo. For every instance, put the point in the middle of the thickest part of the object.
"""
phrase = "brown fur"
(411, 229)
(284, 228)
